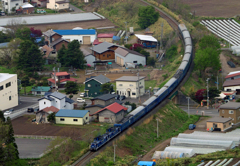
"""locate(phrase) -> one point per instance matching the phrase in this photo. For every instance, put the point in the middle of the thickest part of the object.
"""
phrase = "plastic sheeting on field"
(199, 150)
(199, 143)
(211, 136)
(164, 155)
(187, 152)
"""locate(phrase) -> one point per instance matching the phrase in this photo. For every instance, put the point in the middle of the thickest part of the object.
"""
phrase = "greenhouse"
(200, 143)
(164, 155)
(198, 150)
(187, 152)
(211, 136)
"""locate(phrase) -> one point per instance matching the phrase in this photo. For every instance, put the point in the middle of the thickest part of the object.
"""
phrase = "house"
(88, 56)
(233, 76)
(230, 110)
(72, 117)
(49, 54)
(146, 40)
(93, 85)
(232, 85)
(130, 85)
(40, 90)
(26, 9)
(58, 4)
(104, 51)
(8, 5)
(55, 99)
(39, 3)
(124, 55)
(105, 37)
(8, 91)
(219, 124)
(101, 101)
(60, 79)
(113, 113)
(42, 115)
(84, 36)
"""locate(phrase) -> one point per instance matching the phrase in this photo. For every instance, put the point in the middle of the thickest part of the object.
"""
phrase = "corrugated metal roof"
(105, 35)
(76, 32)
(130, 78)
(71, 113)
(219, 119)
(100, 78)
(237, 73)
(146, 37)
(231, 83)
(41, 88)
(102, 47)
(115, 108)
(124, 52)
(57, 95)
(230, 105)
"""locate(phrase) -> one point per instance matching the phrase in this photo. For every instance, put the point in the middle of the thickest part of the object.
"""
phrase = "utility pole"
(157, 127)
(126, 32)
(217, 82)
(161, 37)
(207, 95)
(114, 151)
(188, 107)
(138, 88)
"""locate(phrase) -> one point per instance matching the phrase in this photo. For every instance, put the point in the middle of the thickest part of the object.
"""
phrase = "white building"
(57, 4)
(124, 55)
(130, 85)
(8, 91)
(232, 85)
(8, 5)
(84, 36)
(57, 100)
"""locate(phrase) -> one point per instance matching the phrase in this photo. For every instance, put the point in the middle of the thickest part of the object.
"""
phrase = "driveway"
(76, 10)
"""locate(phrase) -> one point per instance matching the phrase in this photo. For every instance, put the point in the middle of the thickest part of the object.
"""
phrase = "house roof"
(49, 33)
(71, 113)
(27, 5)
(231, 83)
(233, 74)
(47, 49)
(76, 32)
(41, 88)
(230, 105)
(100, 78)
(146, 38)
(64, 73)
(96, 42)
(86, 51)
(130, 78)
(95, 105)
(63, 80)
(57, 95)
(115, 108)
(105, 35)
(61, 2)
(104, 97)
(146, 163)
(59, 40)
(51, 109)
(219, 119)
(3, 44)
(124, 52)
(102, 47)
(69, 100)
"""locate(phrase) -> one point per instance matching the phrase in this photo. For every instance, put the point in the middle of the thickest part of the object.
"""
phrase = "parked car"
(80, 100)
(2, 13)
(7, 113)
(192, 126)
(30, 110)
(231, 64)
(83, 95)
(120, 97)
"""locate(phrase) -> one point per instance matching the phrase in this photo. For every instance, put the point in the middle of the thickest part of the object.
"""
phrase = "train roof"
(170, 82)
(188, 49)
(188, 41)
(186, 34)
(137, 110)
(151, 99)
(182, 27)
(159, 92)
(186, 57)
(183, 65)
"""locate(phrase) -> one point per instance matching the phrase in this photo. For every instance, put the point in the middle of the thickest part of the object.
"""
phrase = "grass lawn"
(192, 85)
(47, 10)
(150, 83)
(28, 89)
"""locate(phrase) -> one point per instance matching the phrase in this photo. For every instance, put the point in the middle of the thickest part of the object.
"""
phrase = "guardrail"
(35, 136)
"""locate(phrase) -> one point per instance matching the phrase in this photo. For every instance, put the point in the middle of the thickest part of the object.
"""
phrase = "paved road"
(31, 148)
(198, 111)
(76, 10)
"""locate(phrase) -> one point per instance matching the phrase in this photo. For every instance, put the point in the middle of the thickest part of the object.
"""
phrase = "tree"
(35, 32)
(24, 34)
(4, 37)
(62, 55)
(200, 94)
(147, 16)
(106, 88)
(25, 82)
(2, 118)
(51, 117)
(209, 41)
(151, 61)
(171, 51)
(213, 92)
(71, 87)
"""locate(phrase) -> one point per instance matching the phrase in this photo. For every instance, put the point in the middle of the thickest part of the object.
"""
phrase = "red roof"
(61, 73)
(105, 35)
(115, 108)
(229, 93)
(232, 75)
(96, 42)
(63, 80)
(52, 108)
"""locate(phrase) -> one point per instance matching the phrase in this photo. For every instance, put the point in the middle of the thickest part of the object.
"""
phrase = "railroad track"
(174, 24)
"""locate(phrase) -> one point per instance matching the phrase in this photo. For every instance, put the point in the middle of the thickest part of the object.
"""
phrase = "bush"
(238, 100)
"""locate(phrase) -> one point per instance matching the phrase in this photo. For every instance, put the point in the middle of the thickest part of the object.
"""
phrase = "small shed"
(146, 163)
(27, 8)
(146, 40)
(72, 117)
(40, 90)
(219, 124)
(105, 37)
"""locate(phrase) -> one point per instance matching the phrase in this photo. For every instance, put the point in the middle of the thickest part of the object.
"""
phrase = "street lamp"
(150, 91)
(188, 107)
(126, 32)
(207, 94)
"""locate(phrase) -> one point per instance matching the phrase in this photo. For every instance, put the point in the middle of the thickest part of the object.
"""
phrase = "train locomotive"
(153, 101)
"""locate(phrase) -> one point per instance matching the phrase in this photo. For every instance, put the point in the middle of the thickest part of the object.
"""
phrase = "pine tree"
(2, 118)
(62, 55)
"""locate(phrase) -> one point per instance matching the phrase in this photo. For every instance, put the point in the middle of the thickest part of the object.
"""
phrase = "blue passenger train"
(153, 101)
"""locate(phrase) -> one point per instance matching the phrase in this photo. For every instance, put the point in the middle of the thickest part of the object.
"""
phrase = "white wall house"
(8, 91)
(57, 4)
(57, 100)
(7, 5)
(124, 55)
(84, 36)
(130, 85)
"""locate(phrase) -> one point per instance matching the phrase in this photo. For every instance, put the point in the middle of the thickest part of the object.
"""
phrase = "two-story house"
(230, 110)
(104, 51)
(56, 99)
(130, 86)
(93, 85)
(58, 4)
(9, 5)
(105, 37)
(8, 91)
(59, 79)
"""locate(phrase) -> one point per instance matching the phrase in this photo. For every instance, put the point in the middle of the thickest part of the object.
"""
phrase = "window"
(95, 93)
(229, 123)
(38, 92)
(86, 118)
(120, 85)
(223, 111)
(44, 102)
(224, 126)
(75, 120)
(103, 54)
(230, 111)
(131, 85)
(62, 119)
(1, 87)
(56, 101)
(89, 85)
(134, 61)
(53, 52)
(96, 85)
(10, 98)
(8, 84)
(16, 4)
(6, 3)
(133, 93)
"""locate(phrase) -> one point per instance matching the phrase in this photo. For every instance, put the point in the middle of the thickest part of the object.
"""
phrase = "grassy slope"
(144, 137)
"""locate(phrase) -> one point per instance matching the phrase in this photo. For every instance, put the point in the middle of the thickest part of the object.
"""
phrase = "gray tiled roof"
(96, 105)
(101, 78)
(129, 78)
(58, 41)
(231, 83)
(69, 100)
(124, 52)
(104, 97)
(230, 105)
(102, 47)
(49, 33)
(219, 119)
(57, 95)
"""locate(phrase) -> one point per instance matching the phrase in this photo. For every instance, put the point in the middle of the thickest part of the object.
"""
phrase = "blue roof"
(146, 163)
(41, 88)
(71, 113)
(76, 32)
(3, 44)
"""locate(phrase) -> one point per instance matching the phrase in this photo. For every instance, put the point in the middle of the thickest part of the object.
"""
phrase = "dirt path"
(200, 126)
(225, 67)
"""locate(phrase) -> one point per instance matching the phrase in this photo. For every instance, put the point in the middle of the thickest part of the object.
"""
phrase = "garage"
(120, 61)
(86, 40)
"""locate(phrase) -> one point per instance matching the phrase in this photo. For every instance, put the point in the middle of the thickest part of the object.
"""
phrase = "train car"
(188, 41)
(138, 113)
(187, 57)
(161, 94)
(182, 28)
(150, 103)
(188, 49)
(171, 84)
